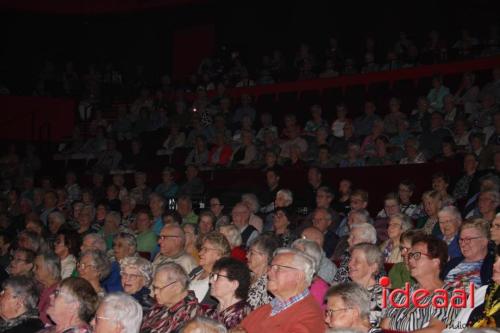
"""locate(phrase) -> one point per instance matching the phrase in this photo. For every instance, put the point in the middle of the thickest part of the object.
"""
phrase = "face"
(280, 220)
(60, 248)
(496, 270)
(357, 203)
(448, 224)
(132, 280)
(40, 270)
(222, 286)
(10, 304)
(495, 230)
(165, 288)
(282, 278)
(272, 179)
(359, 268)
(486, 203)
(104, 324)
(344, 187)
(170, 241)
(86, 269)
(155, 204)
(431, 206)
(321, 220)
(438, 184)
(281, 200)
(257, 259)
(473, 244)
(60, 305)
(54, 224)
(183, 207)
(394, 228)
(209, 254)
(143, 222)
(240, 215)
(313, 176)
(215, 206)
(121, 249)
(323, 199)
(391, 207)
(206, 224)
(355, 237)
(338, 315)
(19, 266)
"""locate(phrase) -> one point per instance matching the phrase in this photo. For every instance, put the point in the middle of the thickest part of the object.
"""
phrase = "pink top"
(318, 290)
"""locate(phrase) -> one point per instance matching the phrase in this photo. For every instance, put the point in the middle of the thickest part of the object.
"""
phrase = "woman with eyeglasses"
(398, 224)
(72, 306)
(259, 256)
(67, 247)
(399, 272)
(18, 306)
(426, 259)
(230, 280)
(136, 274)
(94, 266)
(214, 247)
(431, 202)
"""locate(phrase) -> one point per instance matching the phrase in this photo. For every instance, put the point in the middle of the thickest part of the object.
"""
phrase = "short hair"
(310, 248)
(71, 241)
(406, 223)
(408, 183)
(434, 195)
(124, 310)
(116, 216)
(353, 296)
(175, 216)
(494, 194)
(233, 234)
(97, 241)
(58, 216)
(144, 267)
(327, 190)
(267, 244)
(479, 224)
(391, 196)
(235, 270)
(410, 234)
(368, 232)
(204, 325)
(360, 193)
(372, 253)
(101, 262)
(34, 239)
(327, 212)
(177, 271)
(25, 288)
(288, 195)
(441, 175)
(436, 248)
(451, 210)
(84, 293)
(29, 254)
(186, 198)
(305, 262)
(128, 238)
(252, 198)
(209, 214)
(219, 241)
(52, 264)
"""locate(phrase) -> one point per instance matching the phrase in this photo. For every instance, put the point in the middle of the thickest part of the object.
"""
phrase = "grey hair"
(233, 234)
(252, 199)
(494, 194)
(97, 241)
(369, 234)
(305, 262)
(203, 325)
(353, 296)
(144, 267)
(494, 179)
(365, 216)
(310, 248)
(129, 238)
(176, 271)
(372, 253)
(115, 216)
(58, 216)
(52, 263)
(405, 221)
(26, 289)
(326, 211)
(288, 195)
(453, 211)
(101, 262)
(124, 310)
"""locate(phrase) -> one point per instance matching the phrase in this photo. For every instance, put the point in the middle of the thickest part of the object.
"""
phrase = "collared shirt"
(278, 305)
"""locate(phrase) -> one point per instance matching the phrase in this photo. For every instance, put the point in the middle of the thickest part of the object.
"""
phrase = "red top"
(239, 253)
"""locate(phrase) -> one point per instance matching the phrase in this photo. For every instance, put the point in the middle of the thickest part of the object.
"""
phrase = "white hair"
(368, 232)
(124, 310)
(144, 267)
(288, 195)
(304, 262)
(203, 325)
(310, 248)
(252, 200)
(233, 234)
(97, 242)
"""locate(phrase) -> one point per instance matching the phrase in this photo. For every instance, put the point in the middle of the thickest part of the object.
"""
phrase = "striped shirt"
(278, 305)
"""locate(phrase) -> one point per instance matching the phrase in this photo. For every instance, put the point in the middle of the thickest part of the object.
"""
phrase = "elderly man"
(327, 268)
(185, 209)
(241, 218)
(172, 240)
(348, 306)
(175, 303)
(450, 220)
(293, 309)
(118, 313)
(322, 220)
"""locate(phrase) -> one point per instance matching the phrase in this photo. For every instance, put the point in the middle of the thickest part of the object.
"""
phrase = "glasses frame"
(417, 255)
(277, 267)
(160, 289)
(215, 276)
(329, 312)
(468, 240)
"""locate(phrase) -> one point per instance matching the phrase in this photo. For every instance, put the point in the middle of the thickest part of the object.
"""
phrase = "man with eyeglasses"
(476, 263)
(175, 303)
(172, 240)
(293, 309)
(450, 219)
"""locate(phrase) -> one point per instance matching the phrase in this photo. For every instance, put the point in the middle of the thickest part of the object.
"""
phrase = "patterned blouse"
(258, 295)
(342, 274)
(166, 320)
(375, 292)
(231, 316)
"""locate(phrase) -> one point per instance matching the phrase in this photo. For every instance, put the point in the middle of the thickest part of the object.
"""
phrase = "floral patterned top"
(257, 294)
(166, 320)
(231, 316)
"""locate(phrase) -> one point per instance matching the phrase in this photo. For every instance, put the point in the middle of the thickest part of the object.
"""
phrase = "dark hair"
(441, 175)
(436, 248)
(83, 291)
(72, 241)
(408, 183)
(175, 215)
(267, 244)
(29, 254)
(235, 271)
(276, 171)
(146, 212)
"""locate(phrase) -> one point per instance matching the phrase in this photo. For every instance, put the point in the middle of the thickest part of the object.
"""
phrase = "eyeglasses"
(468, 240)
(126, 276)
(14, 259)
(330, 312)
(205, 249)
(417, 255)
(159, 289)
(82, 265)
(277, 268)
(163, 237)
(215, 276)
(495, 226)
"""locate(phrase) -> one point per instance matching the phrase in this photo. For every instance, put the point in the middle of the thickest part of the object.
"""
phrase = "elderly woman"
(450, 220)
(206, 223)
(136, 274)
(281, 227)
(47, 274)
(398, 224)
(475, 264)
(230, 281)
(67, 248)
(55, 221)
(72, 306)
(348, 307)
(18, 306)
(487, 205)
(191, 248)
(431, 201)
(284, 199)
(233, 236)
(94, 266)
(426, 258)
(365, 264)
(251, 201)
(22, 263)
(111, 227)
(259, 256)
(124, 245)
(175, 304)
(118, 313)
(214, 247)
(318, 287)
